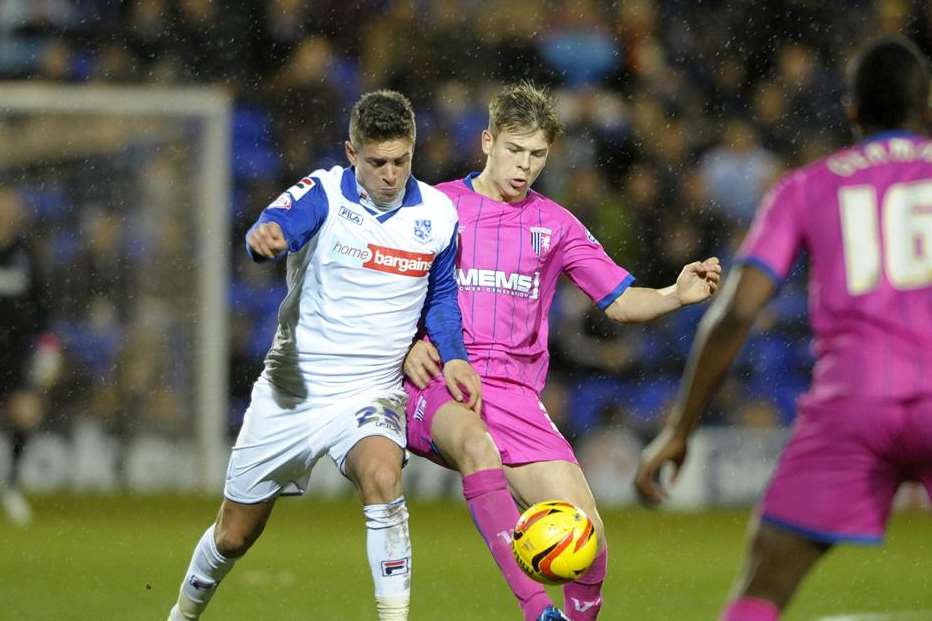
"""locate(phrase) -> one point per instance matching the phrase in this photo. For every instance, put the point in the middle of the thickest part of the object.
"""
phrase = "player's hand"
(422, 363)
(666, 447)
(698, 281)
(464, 384)
(267, 240)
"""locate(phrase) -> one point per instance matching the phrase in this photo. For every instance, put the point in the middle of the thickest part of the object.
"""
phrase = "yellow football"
(554, 542)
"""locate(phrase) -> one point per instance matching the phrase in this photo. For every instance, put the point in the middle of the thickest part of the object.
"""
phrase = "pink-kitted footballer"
(514, 245)
(864, 214)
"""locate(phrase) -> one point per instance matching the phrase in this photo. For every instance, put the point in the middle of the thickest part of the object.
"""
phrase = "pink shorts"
(516, 419)
(837, 476)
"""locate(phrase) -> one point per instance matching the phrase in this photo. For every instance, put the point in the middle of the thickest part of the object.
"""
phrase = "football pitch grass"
(108, 558)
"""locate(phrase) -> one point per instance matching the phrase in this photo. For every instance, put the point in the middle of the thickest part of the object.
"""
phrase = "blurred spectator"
(28, 355)
(679, 115)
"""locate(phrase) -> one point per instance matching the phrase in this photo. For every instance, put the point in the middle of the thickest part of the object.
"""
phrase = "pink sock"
(495, 515)
(583, 598)
(750, 609)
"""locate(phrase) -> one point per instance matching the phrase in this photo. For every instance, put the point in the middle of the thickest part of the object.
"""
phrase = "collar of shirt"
(354, 192)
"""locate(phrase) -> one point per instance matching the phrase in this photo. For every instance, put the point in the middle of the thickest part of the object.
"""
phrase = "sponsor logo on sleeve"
(540, 240)
(301, 188)
(591, 238)
(397, 567)
(352, 216)
(282, 202)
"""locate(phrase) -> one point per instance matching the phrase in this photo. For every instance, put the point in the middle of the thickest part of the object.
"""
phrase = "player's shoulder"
(453, 187)
(317, 185)
(551, 210)
(436, 199)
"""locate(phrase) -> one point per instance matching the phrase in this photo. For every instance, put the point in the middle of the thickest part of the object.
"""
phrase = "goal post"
(202, 118)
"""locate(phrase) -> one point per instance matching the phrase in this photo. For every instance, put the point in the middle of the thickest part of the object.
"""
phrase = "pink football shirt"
(864, 216)
(511, 256)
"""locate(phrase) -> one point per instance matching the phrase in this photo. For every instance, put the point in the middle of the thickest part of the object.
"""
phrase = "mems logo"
(521, 285)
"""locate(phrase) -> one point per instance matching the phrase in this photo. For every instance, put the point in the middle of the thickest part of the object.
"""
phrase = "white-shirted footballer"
(358, 281)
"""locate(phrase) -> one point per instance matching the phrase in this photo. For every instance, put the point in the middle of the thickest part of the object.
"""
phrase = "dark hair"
(889, 83)
(524, 106)
(379, 116)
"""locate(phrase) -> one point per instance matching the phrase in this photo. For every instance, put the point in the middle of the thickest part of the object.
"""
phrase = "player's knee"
(380, 482)
(234, 542)
(599, 529)
(477, 450)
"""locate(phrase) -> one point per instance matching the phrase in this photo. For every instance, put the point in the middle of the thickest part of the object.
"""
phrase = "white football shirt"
(358, 281)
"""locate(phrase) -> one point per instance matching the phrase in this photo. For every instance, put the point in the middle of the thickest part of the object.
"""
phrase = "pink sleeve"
(589, 267)
(775, 236)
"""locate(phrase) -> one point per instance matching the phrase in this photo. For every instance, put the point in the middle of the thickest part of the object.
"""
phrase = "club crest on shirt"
(422, 230)
(540, 239)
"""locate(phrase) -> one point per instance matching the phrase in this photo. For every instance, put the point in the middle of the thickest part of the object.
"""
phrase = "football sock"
(389, 550)
(583, 598)
(207, 569)
(495, 515)
(750, 609)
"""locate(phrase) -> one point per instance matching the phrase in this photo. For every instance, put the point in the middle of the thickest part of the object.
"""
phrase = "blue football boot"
(551, 613)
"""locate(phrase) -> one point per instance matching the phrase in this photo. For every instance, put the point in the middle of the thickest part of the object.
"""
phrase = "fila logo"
(394, 261)
(522, 285)
(397, 567)
(584, 606)
(201, 585)
(349, 214)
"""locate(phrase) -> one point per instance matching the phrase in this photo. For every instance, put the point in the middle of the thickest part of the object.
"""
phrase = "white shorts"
(283, 437)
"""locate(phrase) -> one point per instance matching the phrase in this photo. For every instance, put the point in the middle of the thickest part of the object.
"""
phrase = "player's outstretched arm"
(267, 240)
(696, 283)
(721, 334)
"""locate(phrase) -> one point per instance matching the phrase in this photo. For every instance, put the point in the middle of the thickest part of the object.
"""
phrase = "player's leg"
(369, 450)
(274, 452)
(24, 410)
(834, 483)
(237, 527)
(563, 480)
(776, 562)
(374, 466)
(448, 433)
(464, 441)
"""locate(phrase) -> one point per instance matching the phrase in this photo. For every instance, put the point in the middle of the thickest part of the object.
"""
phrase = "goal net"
(126, 194)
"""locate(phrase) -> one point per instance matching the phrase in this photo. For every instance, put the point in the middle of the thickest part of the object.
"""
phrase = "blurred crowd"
(679, 115)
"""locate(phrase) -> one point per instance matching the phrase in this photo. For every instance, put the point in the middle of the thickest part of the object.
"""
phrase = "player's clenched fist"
(698, 281)
(267, 240)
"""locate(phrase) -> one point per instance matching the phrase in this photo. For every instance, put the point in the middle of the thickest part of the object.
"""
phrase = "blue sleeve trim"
(822, 536)
(615, 293)
(442, 316)
(763, 266)
(300, 222)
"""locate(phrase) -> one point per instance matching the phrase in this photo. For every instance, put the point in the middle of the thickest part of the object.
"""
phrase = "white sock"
(207, 569)
(389, 549)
